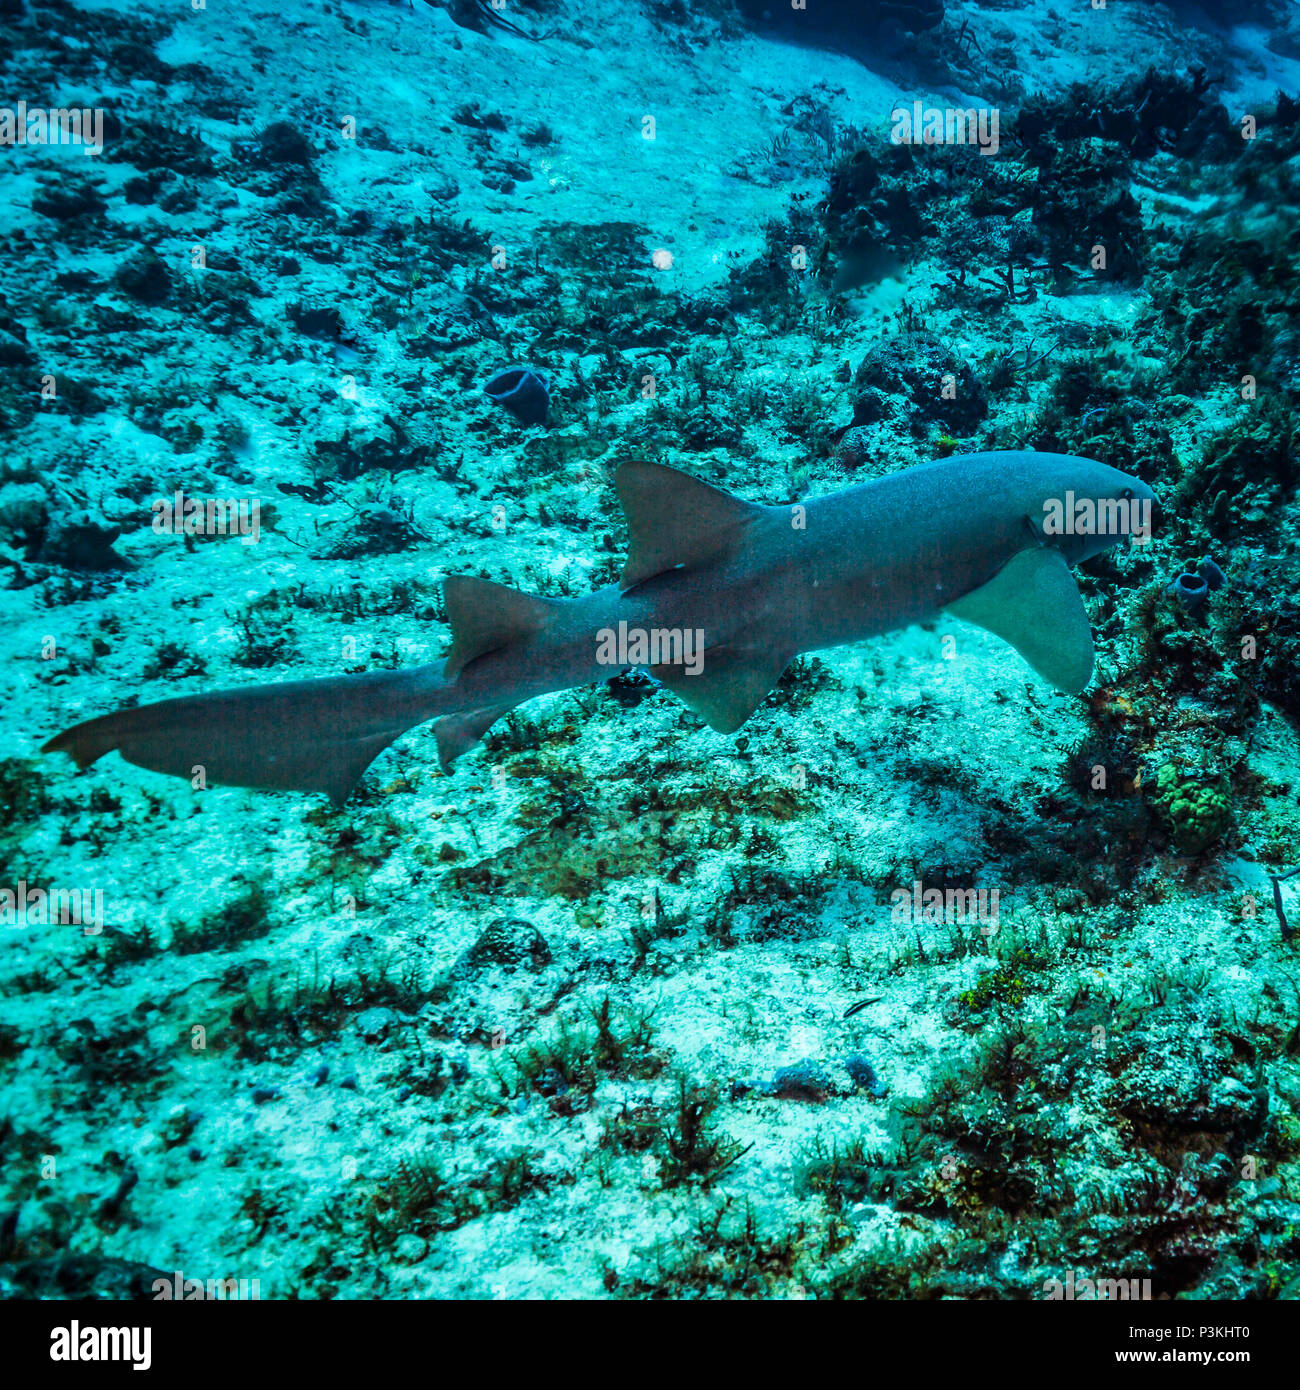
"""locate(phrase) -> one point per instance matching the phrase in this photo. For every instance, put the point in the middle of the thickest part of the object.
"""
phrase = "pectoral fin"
(731, 685)
(1034, 603)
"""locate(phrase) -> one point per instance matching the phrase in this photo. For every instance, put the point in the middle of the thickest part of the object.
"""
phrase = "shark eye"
(1126, 494)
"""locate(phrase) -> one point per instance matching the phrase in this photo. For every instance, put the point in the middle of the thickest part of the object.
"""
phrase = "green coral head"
(1197, 807)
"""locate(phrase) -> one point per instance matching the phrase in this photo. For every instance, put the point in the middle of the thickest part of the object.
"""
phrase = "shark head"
(1070, 509)
(1081, 507)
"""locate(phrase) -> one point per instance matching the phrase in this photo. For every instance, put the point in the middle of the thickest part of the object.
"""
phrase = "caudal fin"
(318, 735)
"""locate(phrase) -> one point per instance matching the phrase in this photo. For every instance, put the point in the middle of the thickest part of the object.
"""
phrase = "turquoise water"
(911, 967)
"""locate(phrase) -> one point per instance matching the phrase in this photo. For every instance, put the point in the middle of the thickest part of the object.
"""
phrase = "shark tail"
(317, 735)
(321, 735)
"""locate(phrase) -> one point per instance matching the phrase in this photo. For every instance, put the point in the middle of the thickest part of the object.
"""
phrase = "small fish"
(862, 1004)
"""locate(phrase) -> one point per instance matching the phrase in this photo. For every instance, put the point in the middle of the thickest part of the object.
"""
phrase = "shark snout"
(1096, 508)
(1140, 490)
(1135, 518)
(1136, 491)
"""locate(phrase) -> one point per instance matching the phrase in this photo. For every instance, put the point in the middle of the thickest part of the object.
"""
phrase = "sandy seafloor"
(570, 1022)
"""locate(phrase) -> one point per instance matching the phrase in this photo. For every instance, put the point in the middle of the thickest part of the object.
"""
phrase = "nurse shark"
(716, 598)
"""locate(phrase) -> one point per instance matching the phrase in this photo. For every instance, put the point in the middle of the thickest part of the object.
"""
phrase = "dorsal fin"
(674, 519)
(485, 616)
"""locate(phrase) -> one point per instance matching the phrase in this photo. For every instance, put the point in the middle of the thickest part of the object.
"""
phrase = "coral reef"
(627, 1008)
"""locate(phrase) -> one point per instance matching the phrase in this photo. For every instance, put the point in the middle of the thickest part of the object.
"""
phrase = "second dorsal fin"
(675, 520)
(485, 616)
